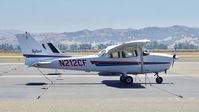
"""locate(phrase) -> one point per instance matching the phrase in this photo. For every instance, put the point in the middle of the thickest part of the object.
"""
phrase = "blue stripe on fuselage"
(44, 56)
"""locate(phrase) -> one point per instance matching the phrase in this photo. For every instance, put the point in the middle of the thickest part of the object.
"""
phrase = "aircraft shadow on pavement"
(110, 83)
(36, 84)
(118, 84)
(53, 73)
(57, 84)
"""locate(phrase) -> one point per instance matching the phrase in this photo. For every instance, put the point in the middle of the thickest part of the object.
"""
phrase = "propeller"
(174, 55)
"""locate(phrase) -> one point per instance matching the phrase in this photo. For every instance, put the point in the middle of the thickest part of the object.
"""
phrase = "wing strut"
(141, 60)
(142, 63)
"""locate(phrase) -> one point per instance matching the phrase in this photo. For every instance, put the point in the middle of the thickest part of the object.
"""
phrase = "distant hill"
(166, 35)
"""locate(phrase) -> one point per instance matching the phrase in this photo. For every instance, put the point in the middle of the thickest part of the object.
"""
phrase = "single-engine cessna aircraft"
(126, 58)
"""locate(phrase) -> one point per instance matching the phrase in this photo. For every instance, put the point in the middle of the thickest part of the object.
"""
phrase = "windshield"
(101, 53)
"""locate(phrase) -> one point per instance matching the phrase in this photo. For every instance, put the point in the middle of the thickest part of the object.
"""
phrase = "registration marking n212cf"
(72, 62)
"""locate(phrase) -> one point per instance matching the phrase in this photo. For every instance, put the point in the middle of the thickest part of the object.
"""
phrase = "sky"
(75, 15)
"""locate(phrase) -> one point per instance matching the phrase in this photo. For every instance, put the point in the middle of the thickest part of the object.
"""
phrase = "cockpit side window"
(129, 54)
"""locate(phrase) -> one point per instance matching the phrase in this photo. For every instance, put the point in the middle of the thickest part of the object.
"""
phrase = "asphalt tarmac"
(26, 86)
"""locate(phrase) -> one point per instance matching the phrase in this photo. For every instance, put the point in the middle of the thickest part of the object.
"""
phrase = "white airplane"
(126, 58)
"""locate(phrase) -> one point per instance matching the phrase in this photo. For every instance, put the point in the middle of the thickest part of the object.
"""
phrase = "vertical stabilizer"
(29, 45)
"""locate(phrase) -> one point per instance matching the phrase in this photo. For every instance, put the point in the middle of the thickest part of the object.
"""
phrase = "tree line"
(152, 45)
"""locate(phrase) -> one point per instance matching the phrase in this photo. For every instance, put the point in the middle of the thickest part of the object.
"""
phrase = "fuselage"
(153, 63)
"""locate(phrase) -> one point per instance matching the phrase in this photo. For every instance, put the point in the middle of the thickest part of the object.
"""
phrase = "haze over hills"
(166, 35)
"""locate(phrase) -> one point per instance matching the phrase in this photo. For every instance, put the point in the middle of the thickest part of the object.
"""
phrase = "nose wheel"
(159, 79)
(126, 79)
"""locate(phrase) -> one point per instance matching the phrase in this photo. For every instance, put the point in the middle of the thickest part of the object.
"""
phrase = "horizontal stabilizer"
(42, 64)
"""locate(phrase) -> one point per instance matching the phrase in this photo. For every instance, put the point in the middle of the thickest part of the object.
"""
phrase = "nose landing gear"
(159, 79)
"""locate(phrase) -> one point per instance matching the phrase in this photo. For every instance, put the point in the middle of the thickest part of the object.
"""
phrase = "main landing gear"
(129, 80)
(126, 79)
(159, 79)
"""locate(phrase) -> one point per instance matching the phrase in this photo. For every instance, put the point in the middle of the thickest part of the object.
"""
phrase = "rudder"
(29, 45)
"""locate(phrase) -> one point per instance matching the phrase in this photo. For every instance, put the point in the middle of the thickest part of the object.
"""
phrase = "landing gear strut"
(159, 79)
(126, 79)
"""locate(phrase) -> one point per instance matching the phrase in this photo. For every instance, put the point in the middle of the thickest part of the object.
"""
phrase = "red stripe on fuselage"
(127, 62)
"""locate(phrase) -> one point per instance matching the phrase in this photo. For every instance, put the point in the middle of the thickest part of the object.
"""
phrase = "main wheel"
(159, 80)
(122, 78)
(128, 80)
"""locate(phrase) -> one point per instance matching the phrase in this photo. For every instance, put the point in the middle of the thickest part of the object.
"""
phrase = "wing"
(127, 45)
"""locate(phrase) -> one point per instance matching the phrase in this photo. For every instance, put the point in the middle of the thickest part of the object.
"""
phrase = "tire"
(159, 80)
(129, 80)
(122, 78)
